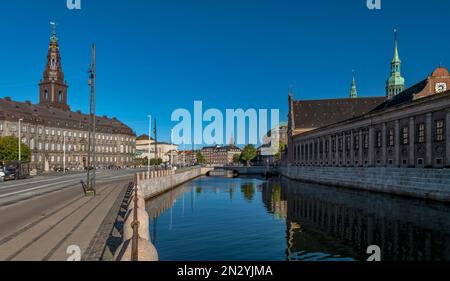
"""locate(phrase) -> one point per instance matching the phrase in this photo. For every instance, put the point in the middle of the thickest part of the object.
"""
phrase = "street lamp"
(149, 138)
(20, 146)
(64, 152)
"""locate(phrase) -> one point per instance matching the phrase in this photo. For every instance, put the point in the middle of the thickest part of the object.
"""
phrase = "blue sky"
(157, 56)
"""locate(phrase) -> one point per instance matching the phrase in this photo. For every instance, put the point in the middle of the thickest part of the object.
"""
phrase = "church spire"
(395, 83)
(353, 91)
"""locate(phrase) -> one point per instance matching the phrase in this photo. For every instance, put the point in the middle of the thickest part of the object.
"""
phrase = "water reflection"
(251, 219)
(346, 222)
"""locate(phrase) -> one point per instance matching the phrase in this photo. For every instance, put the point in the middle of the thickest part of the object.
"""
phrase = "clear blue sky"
(156, 56)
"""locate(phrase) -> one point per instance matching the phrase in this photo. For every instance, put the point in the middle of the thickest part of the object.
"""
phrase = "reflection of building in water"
(157, 206)
(347, 222)
(271, 196)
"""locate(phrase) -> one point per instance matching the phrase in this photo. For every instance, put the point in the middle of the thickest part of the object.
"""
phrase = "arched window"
(60, 96)
(46, 95)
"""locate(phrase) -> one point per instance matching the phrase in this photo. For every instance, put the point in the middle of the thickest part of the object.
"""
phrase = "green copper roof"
(396, 56)
(395, 83)
(353, 91)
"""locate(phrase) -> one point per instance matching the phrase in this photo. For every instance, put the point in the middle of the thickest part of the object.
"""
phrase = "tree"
(237, 158)
(248, 154)
(200, 158)
(156, 162)
(9, 150)
(280, 152)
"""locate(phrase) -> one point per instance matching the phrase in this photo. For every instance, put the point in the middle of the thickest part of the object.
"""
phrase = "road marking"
(46, 180)
(56, 183)
(35, 188)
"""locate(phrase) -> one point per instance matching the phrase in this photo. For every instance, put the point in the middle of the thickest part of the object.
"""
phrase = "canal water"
(250, 219)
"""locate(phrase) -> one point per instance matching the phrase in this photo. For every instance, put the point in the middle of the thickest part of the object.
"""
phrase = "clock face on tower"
(441, 87)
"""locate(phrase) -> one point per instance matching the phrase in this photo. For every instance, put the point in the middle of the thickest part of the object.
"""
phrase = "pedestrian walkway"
(67, 229)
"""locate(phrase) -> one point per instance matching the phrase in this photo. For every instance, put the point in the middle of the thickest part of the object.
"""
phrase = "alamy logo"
(219, 125)
(74, 4)
(374, 4)
(74, 253)
(375, 253)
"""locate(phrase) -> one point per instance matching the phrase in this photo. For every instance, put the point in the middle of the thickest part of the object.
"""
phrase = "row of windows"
(77, 159)
(439, 134)
(301, 151)
(69, 147)
(53, 132)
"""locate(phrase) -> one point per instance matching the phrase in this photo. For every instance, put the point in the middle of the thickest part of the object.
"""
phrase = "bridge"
(251, 170)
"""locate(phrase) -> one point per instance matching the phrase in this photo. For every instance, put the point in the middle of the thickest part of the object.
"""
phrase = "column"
(447, 138)
(429, 141)
(360, 152)
(336, 145)
(344, 149)
(315, 152)
(412, 140)
(352, 149)
(324, 154)
(330, 150)
(371, 146)
(384, 146)
(397, 143)
(308, 152)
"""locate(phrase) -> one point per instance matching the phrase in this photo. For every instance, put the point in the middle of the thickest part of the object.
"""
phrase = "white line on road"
(56, 183)
(35, 188)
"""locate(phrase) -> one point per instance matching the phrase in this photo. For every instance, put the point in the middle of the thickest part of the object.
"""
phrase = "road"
(39, 217)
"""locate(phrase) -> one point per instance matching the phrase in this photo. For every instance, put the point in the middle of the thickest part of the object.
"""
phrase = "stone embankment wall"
(152, 185)
(430, 184)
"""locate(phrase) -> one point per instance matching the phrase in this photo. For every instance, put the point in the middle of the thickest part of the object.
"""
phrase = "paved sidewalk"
(76, 223)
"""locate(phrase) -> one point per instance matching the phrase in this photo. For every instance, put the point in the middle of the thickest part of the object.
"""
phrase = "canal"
(250, 219)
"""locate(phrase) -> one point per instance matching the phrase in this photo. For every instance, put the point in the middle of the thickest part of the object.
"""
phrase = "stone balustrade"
(137, 245)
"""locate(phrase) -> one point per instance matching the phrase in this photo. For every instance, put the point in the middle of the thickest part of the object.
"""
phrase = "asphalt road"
(25, 203)
(12, 192)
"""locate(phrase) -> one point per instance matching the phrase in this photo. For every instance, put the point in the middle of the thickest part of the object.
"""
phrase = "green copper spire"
(395, 83)
(353, 91)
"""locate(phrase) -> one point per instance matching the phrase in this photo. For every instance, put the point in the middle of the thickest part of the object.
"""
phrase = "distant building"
(187, 158)
(280, 133)
(52, 130)
(220, 155)
(165, 151)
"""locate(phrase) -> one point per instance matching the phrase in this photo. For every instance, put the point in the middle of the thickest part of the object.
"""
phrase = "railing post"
(135, 226)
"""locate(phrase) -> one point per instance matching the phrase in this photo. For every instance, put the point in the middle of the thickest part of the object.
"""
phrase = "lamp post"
(20, 141)
(64, 152)
(171, 150)
(149, 141)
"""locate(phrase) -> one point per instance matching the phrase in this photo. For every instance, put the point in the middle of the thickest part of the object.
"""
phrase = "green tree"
(200, 158)
(9, 150)
(237, 158)
(281, 151)
(155, 162)
(248, 154)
